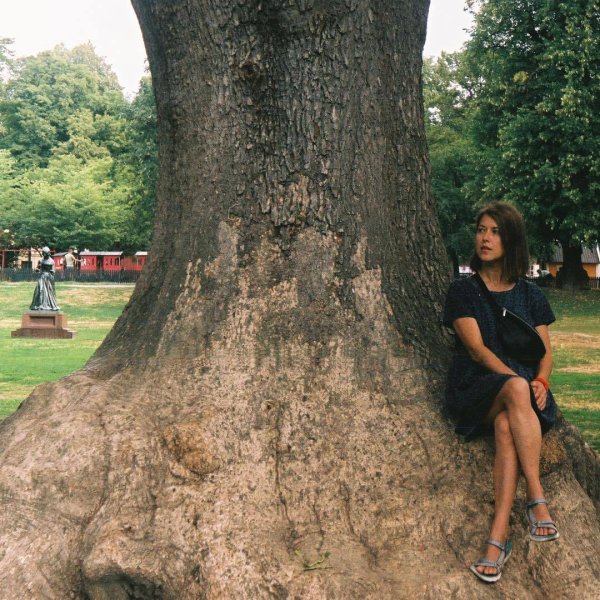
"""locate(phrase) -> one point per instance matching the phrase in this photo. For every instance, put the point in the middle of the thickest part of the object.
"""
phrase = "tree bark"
(572, 275)
(264, 419)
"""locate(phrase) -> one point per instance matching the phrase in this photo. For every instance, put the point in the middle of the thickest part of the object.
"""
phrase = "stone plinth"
(44, 324)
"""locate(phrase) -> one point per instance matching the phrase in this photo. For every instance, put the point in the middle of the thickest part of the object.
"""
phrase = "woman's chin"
(488, 260)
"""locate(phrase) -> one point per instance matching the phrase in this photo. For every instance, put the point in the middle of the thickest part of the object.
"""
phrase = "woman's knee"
(516, 392)
(502, 428)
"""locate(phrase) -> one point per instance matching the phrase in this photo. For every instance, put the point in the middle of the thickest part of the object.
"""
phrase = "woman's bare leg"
(506, 478)
(514, 397)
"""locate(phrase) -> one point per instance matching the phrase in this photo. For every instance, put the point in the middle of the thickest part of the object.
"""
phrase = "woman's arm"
(469, 333)
(544, 368)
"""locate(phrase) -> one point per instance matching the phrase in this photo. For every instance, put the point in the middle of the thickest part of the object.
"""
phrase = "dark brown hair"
(514, 239)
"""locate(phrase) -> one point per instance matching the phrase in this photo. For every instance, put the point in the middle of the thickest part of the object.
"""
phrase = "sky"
(111, 26)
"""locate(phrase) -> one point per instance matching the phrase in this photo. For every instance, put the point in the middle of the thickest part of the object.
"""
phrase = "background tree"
(7, 176)
(68, 203)
(263, 421)
(138, 166)
(5, 53)
(5, 61)
(537, 115)
(48, 93)
(83, 167)
(448, 95)
(8, 184)
(5, 69)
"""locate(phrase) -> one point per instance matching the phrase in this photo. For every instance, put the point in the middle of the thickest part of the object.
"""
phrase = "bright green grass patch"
(576, 312)
(577, 358)
(80, 301)
(8, 407)
(578, 396)
(25, 362)
(576, 345)
(588, 422)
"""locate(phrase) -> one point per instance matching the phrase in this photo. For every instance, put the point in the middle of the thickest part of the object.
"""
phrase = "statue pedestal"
(44, 324)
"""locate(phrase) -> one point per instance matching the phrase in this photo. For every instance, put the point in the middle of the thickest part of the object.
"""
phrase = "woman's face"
(488, 243)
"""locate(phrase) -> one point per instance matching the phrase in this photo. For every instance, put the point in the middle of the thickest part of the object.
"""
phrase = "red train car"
(57, 258)
(135, 262)
(92, 260)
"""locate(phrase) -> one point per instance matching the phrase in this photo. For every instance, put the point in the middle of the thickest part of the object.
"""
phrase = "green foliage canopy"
(70, 202)
(448, 92)
(77, 161)
(536, 121)
(139, 164)
(51, 96)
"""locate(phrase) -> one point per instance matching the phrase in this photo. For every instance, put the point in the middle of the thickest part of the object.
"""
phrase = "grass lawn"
(24, 362)
(93, 308)
(576, 343)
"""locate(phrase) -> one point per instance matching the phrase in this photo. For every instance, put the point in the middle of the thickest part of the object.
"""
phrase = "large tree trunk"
(572, 275)
(264, 419)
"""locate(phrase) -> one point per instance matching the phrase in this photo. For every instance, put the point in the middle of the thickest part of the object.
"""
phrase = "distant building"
(29, 258)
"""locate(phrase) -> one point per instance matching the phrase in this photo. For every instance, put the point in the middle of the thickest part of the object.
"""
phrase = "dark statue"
(44, 297)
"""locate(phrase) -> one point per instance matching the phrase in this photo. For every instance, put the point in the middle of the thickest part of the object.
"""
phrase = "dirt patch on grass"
(9, 323)
(88, 296)
(575, 340)
(91, 324)
(580, 352)
(589, 369)
(11, 392)
(573, 401)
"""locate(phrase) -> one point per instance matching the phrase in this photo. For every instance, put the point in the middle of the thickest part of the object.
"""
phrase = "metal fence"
(133, 276)
(72, 275)
(550, 282)
(593, 282)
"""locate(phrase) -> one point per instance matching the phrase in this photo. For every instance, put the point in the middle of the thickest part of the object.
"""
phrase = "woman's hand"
(540, 393)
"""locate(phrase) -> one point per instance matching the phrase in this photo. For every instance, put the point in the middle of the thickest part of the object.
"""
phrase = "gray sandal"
(505, 553)
(534, 524)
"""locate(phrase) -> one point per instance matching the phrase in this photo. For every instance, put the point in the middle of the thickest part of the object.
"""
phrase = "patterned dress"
(471, 388)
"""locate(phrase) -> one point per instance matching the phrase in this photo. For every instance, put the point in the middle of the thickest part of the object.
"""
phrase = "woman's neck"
(493, 277)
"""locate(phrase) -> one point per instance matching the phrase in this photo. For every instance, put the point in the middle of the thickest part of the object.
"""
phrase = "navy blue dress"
(471, 388)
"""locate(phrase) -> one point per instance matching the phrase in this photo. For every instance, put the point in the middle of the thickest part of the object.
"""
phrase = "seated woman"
(490, 392)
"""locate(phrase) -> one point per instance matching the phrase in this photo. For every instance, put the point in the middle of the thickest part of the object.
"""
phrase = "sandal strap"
(543, 524)
(535, 502)
(548, 522)
(496, 543)
(486, 562)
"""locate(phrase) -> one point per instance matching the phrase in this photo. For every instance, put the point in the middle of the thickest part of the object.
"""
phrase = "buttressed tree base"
(264, 420)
